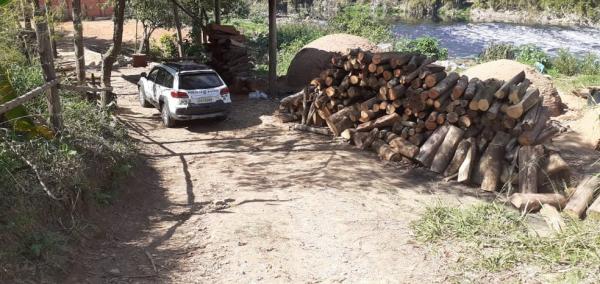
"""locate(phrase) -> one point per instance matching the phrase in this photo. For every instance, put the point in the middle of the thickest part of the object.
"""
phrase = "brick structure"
(90, 9)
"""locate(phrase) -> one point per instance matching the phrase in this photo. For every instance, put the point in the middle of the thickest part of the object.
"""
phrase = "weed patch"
(491, 238)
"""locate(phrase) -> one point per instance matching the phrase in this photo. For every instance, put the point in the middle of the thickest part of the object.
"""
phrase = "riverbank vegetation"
(569, 70)
(490, 240)
(357, 19)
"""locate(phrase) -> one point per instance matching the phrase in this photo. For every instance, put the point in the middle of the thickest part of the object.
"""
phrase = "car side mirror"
(144, 75)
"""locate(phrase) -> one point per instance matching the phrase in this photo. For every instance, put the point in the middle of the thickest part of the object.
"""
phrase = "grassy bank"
(491, 242)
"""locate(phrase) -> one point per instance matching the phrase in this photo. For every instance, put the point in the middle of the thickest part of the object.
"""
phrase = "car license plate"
(204, 100)
(204, 96)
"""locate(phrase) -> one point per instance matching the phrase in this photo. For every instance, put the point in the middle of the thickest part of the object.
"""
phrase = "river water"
(469, 39)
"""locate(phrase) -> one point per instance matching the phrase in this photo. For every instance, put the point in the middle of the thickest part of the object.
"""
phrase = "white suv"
(184, 91)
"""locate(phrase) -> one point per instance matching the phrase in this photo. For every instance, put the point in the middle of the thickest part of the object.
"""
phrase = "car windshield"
(196, 81)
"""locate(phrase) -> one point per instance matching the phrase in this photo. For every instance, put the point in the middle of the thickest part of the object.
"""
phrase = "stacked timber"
(229, 53)
(491, 133)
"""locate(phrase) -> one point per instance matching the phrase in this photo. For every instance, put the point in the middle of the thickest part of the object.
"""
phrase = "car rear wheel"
(142, 97)
(168, 121)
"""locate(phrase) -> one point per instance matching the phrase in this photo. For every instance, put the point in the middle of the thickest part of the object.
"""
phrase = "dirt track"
(247, 200)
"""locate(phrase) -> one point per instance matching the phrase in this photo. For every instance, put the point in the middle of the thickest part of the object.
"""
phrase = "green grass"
(490, 239)
(567, 84)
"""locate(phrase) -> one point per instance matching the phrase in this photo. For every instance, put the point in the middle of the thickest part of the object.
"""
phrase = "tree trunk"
(78, 41)
(145, 46)
(178, 28)
(110, 56)
(47, 61)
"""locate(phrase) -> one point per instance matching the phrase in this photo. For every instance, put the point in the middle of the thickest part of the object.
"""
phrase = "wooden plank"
(27, 97)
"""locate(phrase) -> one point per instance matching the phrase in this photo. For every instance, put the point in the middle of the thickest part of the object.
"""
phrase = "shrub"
(362, 20)
(167, 46)
(425, 45)
(496, 51)
(530, 54)
(566, 63)
(590, 64)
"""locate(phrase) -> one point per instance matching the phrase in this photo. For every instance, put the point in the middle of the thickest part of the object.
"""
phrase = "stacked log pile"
(401, 105)
(229, 54)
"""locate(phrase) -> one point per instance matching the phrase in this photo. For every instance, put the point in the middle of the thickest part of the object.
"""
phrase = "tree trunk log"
(529, 163)
(428, 150)
(491, 162)
(530, 99)
(505, 89)
(531, 202)
(582, 196)
(466, 168)
(459, 157)
(447, 149)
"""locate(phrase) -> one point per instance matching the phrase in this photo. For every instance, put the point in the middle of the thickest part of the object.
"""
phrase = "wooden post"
(26, 7)
(47, 61)
(272, 47)
(218, 11)
(78, 41)
(178, 28)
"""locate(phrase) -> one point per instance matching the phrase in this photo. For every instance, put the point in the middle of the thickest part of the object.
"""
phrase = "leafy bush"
(425, 45)
(590, 64)
(362, 20)
(566, 63)
(530, 54)
(496, 51)
(166, 46)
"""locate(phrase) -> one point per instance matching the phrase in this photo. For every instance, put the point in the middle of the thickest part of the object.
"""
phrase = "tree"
(110, 56)
(178, 27)
(78, 41)
(152, 14)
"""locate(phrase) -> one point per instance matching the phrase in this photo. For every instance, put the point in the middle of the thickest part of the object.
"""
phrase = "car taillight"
(224, 91)
(179, 95)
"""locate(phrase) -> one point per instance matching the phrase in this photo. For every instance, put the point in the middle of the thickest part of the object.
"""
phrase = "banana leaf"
(18, 117)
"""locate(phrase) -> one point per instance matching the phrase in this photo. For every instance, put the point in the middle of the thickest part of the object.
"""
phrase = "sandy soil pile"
(505, 69)
(315, 56)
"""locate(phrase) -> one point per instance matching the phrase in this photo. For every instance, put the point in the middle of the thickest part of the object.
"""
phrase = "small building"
(90, 9)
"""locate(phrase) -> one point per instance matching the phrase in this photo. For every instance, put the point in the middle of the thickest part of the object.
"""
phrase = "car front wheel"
(168, 121)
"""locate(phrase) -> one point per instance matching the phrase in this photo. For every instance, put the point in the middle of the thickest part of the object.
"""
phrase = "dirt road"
(247, 200)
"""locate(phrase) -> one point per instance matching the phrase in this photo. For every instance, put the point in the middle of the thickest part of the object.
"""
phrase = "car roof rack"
(186, 66)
